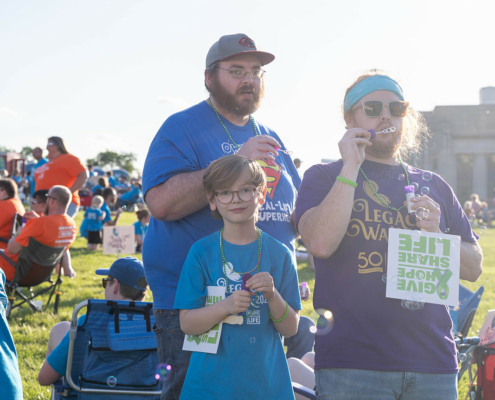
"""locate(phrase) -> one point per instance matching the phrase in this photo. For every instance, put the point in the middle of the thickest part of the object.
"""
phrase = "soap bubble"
(422, 213)
(427, 175)
(163, 372)
(384, 278)
(413, 152)
(415, 302)
(387, 278)
(462, 357)
(252, 340)
(312, 329)
(324, 324)
(483, 230)
(402, 177)
(415, 235)
(416, 186)
(425, 190)
(399, 138)
(111, 381)
(447, 230)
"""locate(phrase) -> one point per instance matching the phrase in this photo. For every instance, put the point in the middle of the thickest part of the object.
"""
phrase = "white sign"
(118, 240)
(487, 331)
(423, 266)
(207, 342)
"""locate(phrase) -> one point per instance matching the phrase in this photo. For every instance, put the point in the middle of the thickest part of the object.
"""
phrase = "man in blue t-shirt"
(124, 280)
(38, 156)
(172, 180)
(10, 379)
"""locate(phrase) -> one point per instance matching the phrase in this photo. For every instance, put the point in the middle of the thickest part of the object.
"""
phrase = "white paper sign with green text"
(207, 342)
(423, 266)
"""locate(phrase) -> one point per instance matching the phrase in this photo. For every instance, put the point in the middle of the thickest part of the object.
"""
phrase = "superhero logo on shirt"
(273, 171)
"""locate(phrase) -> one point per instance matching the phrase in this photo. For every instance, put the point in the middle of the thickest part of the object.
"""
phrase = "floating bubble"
(415, 235)
(324, 324)
(312, 329)
(483, 230)
(425, 190)
(447, 230)
(462, 357)
(413, 303)
(413, 152)
(163, 372)
(427, 175)
(399, 139)
(416, 186)
(422, 213)
(111, 381)
(393, 279)
(384, 278)
(402, 177)
(252, 340)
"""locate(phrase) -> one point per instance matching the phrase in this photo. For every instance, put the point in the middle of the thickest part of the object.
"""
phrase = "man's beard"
(384, 148)
(229, 102)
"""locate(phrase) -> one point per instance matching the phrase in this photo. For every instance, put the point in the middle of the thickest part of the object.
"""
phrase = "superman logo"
(246, 42)
(273, 171)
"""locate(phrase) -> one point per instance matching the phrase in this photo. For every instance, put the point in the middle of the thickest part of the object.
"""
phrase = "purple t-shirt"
(371, 331)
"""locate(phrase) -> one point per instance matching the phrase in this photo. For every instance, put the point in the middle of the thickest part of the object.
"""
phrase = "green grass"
(31, 330)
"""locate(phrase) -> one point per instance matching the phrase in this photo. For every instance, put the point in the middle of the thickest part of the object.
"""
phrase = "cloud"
(9, 112)
(177, 103)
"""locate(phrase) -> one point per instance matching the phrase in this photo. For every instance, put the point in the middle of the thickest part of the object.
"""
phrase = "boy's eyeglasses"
(374, 108)
(104, 282)
(242, 73)
(226, 196)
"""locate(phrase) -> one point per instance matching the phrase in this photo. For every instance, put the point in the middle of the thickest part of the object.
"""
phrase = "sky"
(107, 74)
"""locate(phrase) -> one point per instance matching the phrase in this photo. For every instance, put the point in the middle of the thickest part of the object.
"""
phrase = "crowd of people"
(225, 205)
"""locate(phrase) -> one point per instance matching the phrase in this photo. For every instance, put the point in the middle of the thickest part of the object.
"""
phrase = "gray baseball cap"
(232, 45)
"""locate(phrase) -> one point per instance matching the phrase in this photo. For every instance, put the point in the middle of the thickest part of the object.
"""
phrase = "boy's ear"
(213, 206)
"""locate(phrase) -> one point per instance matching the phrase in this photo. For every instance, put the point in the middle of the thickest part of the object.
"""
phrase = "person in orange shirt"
(56, 229)
(9, 205)
(63, 169)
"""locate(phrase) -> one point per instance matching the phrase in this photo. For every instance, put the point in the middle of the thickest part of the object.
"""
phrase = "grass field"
(31, 330)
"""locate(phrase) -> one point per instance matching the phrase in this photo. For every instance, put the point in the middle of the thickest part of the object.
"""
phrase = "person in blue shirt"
(93, 220)
(111, 178)
(258, 276)
(132, 196)
(124, 280)
(184, 146)
(10, 379)
(102, 184)
(38, 156)
(141, 227)
(110, 197)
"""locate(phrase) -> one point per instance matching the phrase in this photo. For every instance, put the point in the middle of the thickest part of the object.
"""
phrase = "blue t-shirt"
(10, 379)
(97, 187)
(108, 215)
(94, 223)
(252, 352)
(133, 194)
(31, 177)
(112, 181)
(58, 357)
(370, 331)
(139, 229)
(189, 141)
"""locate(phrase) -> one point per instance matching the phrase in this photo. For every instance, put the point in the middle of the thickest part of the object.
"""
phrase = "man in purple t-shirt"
(378, 349)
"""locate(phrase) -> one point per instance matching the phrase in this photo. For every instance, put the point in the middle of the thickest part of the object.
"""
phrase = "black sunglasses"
(104, 282)
(374, 108)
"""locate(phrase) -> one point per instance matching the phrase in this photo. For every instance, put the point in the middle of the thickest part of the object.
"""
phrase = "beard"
(231, 104)
(384, 149)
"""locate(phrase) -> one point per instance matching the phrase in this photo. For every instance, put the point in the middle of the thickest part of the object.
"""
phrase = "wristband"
(347, 181)
(285, 315)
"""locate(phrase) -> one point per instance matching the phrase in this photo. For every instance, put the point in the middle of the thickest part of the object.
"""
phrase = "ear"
(350, 122)
(213, 206)
(207, 78)
(115, 287)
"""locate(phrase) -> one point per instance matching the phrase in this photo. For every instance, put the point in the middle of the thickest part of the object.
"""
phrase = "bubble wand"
(373, 133)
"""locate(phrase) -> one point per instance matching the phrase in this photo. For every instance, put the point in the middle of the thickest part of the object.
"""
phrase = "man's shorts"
(94, 237)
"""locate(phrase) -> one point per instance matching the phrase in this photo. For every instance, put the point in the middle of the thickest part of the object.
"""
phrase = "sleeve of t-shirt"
(192, 289)
(86, 213)
(289, 289)
(34, 228)
(165, 159)
(317, 182)
(58, 357)
(74, 166)
(108, 214)
(137, 229)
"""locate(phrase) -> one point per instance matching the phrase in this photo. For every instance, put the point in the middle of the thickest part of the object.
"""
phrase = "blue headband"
(370, 85)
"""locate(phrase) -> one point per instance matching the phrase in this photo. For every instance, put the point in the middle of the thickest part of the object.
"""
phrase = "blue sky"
(106, 74)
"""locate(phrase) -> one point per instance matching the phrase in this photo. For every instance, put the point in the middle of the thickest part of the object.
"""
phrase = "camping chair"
(35, 266)
(303, 391)
(113, 353)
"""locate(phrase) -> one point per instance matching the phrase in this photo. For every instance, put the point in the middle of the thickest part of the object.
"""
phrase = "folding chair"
(468, 305)
(113, 353)
(34, 266)
(303, 391)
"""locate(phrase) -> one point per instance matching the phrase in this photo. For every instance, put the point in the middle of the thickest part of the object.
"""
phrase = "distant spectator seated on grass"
(55, 229)
(10, 379)
(123, 185)
(91, 174)
(9, 205)
(132, 196)
(93, 219)
(111, 179)
(475, 203)
(110, 198)
(125, 281)
(468, 208)
(141, 227)
(102, 185)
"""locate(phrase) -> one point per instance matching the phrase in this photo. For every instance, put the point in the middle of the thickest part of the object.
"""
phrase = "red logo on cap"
(246, 42)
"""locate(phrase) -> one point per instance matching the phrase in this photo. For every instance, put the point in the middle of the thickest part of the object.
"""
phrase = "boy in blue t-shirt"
(261, 297)
(94, 222)
(141, 228)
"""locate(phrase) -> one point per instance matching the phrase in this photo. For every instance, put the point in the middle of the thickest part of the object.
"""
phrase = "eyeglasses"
(374, 108)
(104, 282)
(49, 144)
(33, 201)
(51, 197)
(242, 73)
(226, 196)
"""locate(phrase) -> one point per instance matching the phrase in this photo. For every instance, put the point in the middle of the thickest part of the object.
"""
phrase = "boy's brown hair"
(224, 172)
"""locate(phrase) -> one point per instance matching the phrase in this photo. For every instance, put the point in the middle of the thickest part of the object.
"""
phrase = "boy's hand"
(238, 302)
(262, 282)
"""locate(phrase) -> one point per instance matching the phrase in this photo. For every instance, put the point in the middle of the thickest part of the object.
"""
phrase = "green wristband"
(343, 180)
(281, 319)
